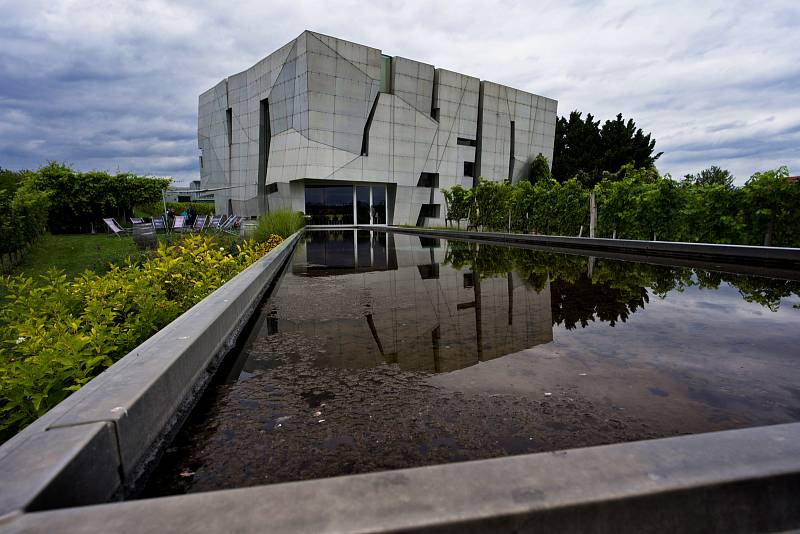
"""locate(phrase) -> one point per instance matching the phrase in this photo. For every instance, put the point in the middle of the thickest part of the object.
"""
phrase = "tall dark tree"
(585, 150)
(577, 146)
(712, 176)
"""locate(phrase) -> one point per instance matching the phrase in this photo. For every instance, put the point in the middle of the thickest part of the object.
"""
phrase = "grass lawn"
(73, 254)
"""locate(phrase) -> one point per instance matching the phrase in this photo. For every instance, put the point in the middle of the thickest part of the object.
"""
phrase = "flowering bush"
(58, 334)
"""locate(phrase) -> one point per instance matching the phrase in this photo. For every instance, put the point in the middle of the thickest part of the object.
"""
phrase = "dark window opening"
(429, 272)
(184, 198)
(201, 162)
(463, 141)
(264, 135)
(272, 188)
(428, 179)
(430, 242)
(229, 124)
(427, 210)
(367, 126)
(511, 155)
(469, 280)
(435, 114)
(469, 168)
(386, 75)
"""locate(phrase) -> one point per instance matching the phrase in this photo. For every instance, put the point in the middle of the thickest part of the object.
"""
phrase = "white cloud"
(715, 82)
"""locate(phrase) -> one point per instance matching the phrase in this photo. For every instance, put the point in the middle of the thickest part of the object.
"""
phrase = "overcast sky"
(114, 85)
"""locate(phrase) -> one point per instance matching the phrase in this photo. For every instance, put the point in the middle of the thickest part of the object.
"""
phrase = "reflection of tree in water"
(608, 291)
(584, 300)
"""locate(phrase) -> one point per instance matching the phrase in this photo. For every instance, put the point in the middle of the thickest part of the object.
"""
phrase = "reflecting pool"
(381, 351)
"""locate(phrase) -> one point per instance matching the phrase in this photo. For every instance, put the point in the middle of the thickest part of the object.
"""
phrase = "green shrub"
(283, 222)
(57, 334)
(23, 215)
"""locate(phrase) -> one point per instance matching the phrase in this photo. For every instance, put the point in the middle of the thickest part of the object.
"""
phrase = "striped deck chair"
(159, 224)
(179, 224)
(230, 224)
(136, 220)
(213, 224)
(199, 223)
(115, 227)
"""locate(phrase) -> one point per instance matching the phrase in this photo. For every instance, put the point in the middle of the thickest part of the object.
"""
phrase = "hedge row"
(23, 215)
(640, 204)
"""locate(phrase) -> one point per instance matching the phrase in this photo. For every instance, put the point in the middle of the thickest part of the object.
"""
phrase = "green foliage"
(536, 170)
(638, 203)
(23, 214)
(11, 180)
(711, 176)
(80, 199)
(770, 209)
(201, 208)
(459, 202)
(56, 334)
(282, 222)
(584, 150)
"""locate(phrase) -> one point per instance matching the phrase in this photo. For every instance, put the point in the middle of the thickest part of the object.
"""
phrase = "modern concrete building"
(348, 135)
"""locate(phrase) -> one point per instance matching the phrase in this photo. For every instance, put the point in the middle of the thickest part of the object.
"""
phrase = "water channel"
(382, 350)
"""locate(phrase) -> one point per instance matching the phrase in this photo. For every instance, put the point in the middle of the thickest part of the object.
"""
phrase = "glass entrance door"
(363, 205)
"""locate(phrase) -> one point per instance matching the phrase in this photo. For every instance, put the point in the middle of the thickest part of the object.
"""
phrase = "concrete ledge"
(776, 257)
(732, 481)
(95, 444)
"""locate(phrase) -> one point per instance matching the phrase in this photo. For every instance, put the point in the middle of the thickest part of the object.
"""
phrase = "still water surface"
(382, 351)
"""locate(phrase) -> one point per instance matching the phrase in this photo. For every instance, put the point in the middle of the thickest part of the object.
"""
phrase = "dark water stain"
(658, 392)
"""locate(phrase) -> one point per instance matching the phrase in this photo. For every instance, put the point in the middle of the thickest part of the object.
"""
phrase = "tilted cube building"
(348, 135)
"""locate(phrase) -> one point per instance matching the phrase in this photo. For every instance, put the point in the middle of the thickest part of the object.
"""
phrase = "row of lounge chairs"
(202, 223)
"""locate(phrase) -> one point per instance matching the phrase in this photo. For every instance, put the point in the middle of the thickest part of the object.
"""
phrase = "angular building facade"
(348, 135)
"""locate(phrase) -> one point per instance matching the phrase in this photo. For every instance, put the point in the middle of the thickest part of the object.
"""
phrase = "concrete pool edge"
(736, 480)
(93, 446)
(778, 257)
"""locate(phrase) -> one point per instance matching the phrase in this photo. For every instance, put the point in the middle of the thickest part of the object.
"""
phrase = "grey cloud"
(116, 86)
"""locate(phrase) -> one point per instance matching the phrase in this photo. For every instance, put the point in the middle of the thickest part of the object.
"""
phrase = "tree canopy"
(712, 176)
(585, 150)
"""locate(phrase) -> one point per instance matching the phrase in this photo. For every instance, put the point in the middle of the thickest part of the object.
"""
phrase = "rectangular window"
(469, 168)
(435, 114)
(428, 179)
(463, 141)
(201, 162)
(264, 135)
(386, 75)
(379, 204)
(469, 280)
(362, 204)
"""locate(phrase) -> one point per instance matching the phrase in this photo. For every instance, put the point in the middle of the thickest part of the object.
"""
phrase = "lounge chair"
(115, 227)
(158, 224)
(199, 223)
(230, 224)
(136, 220)
(214, 223)
(179, 224)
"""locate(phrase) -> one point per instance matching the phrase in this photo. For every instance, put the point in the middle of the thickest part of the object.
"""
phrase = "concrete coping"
(732, 481)
(95, 445)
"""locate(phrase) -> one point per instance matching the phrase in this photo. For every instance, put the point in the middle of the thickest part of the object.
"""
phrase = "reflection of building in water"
(390, 298)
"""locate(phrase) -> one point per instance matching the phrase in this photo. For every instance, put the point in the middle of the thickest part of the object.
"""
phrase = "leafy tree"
(584, 150)
(10, 180)
(711, 176)
(536, 170)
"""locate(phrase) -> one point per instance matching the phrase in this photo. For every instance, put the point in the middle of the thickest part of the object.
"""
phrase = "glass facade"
(333, 205)
(386, 75)
(329, 204)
